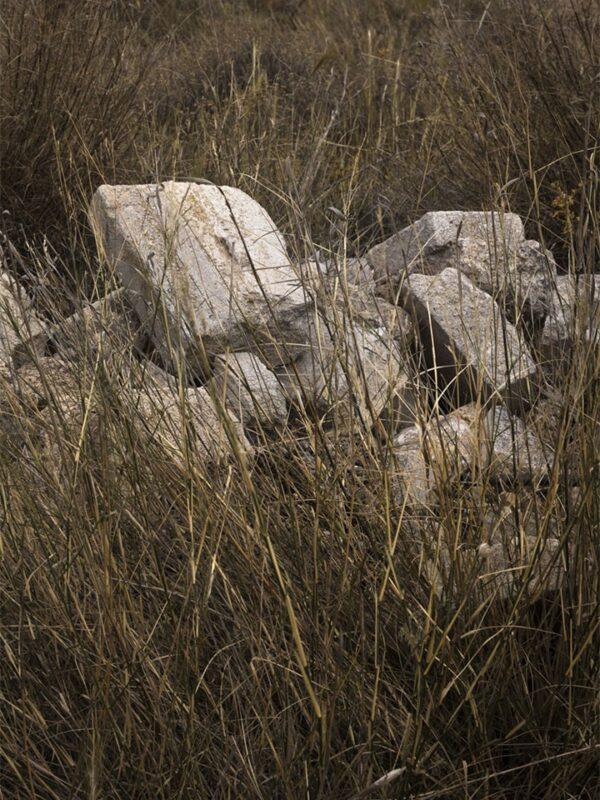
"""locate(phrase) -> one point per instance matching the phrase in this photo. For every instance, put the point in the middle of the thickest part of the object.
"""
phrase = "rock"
(281, 346)
(471, 442)
(204, 266)
(49, 382)
(499, 570)
(48, 411)
(18, 323)
(403, 408)
(350, 288)
(489, 248)
(188, 426)
(354, 272)
(507, 565)
(328, 273)
(351, 338)
(514, 453)
(57, 412)
(414, 484)
(520, 542)
(346, 369)
(435, 234)
(429, 458)
(528, 282)
(107, 324)
(517, 549)
(250, 390)
(574, 317)
(471, 349)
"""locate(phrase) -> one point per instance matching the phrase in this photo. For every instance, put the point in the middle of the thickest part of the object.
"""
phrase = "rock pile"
(426, 343)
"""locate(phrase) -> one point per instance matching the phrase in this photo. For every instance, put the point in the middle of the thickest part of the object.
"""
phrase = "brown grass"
(268, 633)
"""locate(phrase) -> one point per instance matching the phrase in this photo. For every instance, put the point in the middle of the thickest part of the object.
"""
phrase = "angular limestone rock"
(188, 424)
(48, 411)
(56, 414)
(250, 390)
(514, 453)
(428, 458)
(434, 233)
(18, 323)
(506, 565)
(472, 441)
(330, 273)
(109, 323)
(574, 317)
(526, 285)
(471, 349)
(498, 570)
(516, 549)
(204, 266)
(349, 287)
(489, 248)
(47, 382)
(348, 370)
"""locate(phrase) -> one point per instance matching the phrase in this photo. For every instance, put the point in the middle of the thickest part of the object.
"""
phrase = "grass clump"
(273, 627)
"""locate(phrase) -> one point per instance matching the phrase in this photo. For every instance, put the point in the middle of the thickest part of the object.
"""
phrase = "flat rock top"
(437, 230)
(467, 314)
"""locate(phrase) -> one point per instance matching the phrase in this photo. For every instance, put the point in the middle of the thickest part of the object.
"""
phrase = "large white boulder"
(204, 266)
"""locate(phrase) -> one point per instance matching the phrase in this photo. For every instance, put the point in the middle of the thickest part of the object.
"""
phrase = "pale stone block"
(471, 349)
(204, 266)
(250, 390)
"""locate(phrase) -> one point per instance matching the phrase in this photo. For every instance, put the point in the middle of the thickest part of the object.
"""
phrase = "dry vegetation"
(267, 634)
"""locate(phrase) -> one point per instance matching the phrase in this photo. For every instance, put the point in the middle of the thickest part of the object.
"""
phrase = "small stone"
(515, 453)
(108, 324)
(519, 550)
(250, 390)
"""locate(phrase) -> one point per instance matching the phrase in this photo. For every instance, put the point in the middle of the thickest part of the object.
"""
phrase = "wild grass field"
(266, 632)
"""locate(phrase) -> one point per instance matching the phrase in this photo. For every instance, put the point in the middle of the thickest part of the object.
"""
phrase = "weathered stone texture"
(574, 317)
(359, 373)
(471, 348)
(250, 390)
(204, 266)
(488, 248)
(18, 322)
(514, 452)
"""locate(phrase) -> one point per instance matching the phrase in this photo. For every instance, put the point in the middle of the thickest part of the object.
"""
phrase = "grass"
(271, 629)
